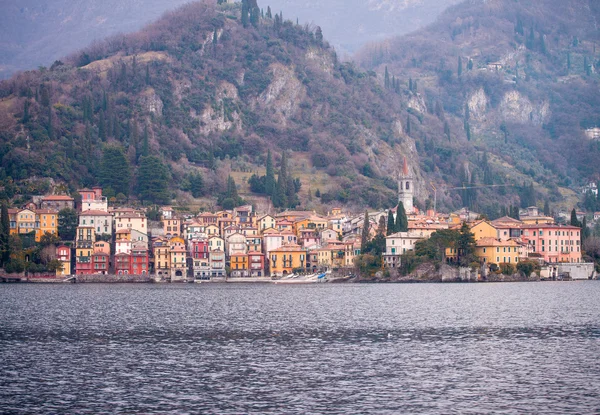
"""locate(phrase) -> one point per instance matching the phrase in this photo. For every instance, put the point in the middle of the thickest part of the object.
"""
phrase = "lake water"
(340, 349)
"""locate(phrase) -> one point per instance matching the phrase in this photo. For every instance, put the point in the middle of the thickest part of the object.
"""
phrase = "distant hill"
(505, 91)
(207, 95)
(36, 33)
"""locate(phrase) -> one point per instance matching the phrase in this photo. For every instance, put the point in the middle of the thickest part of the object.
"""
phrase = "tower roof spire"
(405, 167)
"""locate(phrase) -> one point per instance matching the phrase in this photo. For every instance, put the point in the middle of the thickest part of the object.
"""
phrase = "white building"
(399, 244)
(102, 221)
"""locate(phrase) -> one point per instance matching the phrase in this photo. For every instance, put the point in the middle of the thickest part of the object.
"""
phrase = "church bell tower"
(406, 188)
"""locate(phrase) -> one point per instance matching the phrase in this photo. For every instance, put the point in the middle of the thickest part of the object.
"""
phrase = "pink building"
(256, 264)
(555, 243)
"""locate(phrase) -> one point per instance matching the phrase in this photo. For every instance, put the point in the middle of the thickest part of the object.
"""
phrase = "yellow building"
(178, 264)
(266, 222)
(286, 259)
(239, 265)
(497, 251)
(172, 227)
(26, 222)
(46, 222)
(312, 222)
(483, 229)
(162, 257)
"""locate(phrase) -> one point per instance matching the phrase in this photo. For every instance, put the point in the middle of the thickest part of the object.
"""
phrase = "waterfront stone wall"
(99, 278)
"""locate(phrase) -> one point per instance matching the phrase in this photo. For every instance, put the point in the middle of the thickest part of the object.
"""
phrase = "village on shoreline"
(160, 244)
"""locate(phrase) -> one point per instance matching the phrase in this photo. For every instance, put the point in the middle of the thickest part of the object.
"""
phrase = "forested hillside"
(501, 92)
(198, 98)
(35, 33)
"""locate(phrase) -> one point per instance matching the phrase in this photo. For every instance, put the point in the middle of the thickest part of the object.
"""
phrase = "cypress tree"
(26, 106)
(270, 177)
(145, 145)
(134, 137)
(50, 124)
(401, 219)
(391, 226)
(546, 208)
(447, 130)
(292, 200)
(245, 13)
(280, 193)
(4, 234)
(574, 221)
(386, 81)
(269, 13)
(101, 126)
(365, 233)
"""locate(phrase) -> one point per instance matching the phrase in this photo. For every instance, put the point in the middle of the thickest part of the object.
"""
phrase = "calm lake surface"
(340, 349)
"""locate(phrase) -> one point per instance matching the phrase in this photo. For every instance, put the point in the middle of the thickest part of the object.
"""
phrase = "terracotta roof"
(58, 197)
(405, 167)
(46, 211)
(95, 213)
(496, 242)
(289, 248)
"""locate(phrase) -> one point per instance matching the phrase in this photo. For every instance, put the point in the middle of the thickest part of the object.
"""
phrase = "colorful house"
(286, 259)
(84, 248)
(498, 251)
(63, 254)
(46, 222)
(238, 265)
(554, 243)
(256, 264)
(178, 264)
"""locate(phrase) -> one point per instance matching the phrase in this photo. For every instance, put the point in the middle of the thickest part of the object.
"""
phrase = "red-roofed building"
(57, 202)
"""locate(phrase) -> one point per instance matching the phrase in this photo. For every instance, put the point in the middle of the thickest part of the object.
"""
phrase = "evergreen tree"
(280, 193)
(4, 234)
(465, 246)
(546, 208)
(470, 65)
(26, 114)
(270, 176)
(391, 226)
(134, 137)
(386, 81)
(447, 130)
(153, 180)
(292, 199)
(318, 193)
(364, 240)
(269, 13)
(67, 224)
(50, 124)
(114, 170)
(574, 220)
(401, 219)
(407, 125)
(254, 16)
(145, 143)
(245, 12)
(101, 126)
(116, 133)
(585, 231)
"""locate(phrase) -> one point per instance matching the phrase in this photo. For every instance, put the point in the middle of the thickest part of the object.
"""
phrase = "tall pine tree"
(391, 226)
(364, 240)
(270, 177)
